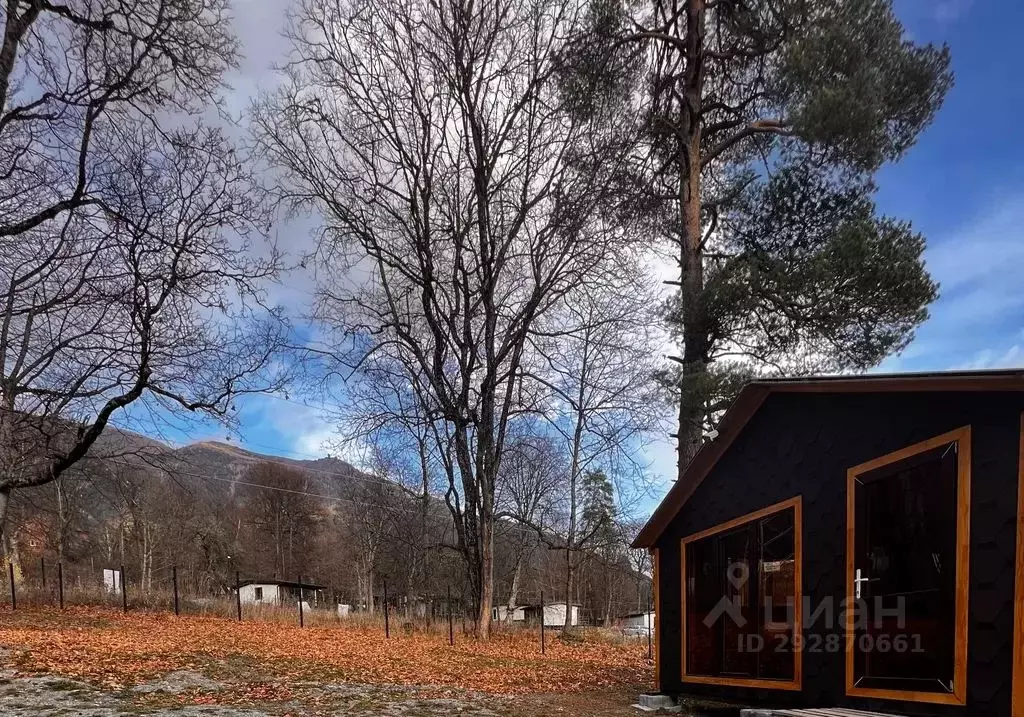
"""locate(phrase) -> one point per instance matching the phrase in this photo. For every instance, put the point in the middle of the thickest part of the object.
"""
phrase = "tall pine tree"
(766, 123)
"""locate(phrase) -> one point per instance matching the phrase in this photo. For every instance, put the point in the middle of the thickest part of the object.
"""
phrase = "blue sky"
(962, 185)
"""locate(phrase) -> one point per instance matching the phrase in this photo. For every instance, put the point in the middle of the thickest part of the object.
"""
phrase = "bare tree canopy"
(592, 364)
(127, 269)
(462, 201)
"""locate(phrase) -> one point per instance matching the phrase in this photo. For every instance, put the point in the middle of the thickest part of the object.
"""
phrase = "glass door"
(905, 573)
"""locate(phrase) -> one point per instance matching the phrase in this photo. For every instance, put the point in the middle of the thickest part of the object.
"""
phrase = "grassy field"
(268, 661)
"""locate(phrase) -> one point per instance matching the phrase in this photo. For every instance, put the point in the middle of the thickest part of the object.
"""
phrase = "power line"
(235, 481)
(321, 496)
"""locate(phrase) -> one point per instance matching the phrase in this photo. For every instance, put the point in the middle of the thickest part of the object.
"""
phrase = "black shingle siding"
(802, 444)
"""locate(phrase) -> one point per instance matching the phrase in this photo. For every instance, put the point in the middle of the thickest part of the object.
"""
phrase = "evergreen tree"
(766, 123)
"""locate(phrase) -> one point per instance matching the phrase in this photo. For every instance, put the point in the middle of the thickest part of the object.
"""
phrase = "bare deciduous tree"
(532, 473)
(593, 361)
(142, 298)
(460, 197)
(282, 508)
(76, 79)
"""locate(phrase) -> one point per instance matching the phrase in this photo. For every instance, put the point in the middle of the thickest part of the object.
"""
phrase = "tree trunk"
(486, 598)
(513, 593)
(145, 551)
(423, 552)
(691, 261)
(608, 598)
(278, 540)
(5, 542)
(570, 573)
(368, 582)
(574, 469)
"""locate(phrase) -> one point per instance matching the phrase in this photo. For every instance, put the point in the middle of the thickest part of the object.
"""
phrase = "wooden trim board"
(796, 684)
(962, 436)
(1017, 698)
(655, 577)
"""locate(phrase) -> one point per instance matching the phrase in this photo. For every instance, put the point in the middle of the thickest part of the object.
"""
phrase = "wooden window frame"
(962, 437)
(797, 681)
(1017, 697)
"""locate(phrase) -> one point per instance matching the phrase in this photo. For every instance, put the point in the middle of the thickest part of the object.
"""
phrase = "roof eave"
(753, 395)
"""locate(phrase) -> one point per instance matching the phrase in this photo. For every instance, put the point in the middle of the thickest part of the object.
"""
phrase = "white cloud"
(989, 249)
(1012, 357)
(978, 320)
(288, 427)
(315, 440)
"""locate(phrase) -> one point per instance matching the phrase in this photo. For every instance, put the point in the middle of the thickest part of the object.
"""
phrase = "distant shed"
(504, 613)
(554, 614)
(278, 592)
(636, 620)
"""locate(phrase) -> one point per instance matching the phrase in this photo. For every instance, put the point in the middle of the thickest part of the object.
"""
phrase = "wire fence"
(302, 602)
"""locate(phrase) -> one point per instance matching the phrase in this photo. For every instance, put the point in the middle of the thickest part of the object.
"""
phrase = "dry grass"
(106, 647)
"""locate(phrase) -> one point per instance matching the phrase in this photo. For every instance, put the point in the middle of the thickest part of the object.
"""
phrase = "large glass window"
(742, 598)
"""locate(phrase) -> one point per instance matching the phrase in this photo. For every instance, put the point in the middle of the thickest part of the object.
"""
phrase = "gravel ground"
(55, 696)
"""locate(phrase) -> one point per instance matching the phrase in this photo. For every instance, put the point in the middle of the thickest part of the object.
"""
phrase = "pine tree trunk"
(691, 261)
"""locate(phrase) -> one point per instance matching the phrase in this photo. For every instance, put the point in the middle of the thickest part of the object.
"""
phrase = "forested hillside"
(213, 509)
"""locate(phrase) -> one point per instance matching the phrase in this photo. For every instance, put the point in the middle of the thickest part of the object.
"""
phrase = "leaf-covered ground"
(266, 662)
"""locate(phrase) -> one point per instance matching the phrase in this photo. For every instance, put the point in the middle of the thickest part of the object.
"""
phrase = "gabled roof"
(753, 395)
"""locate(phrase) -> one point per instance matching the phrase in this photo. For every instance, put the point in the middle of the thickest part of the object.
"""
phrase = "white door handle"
(857, 580)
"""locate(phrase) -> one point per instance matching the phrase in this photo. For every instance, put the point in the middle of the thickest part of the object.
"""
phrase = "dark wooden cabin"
(853, 542)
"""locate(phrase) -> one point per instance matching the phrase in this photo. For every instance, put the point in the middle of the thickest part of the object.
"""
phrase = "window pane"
(703, 590)
(777, 591)
(741, 600)
(738, 551)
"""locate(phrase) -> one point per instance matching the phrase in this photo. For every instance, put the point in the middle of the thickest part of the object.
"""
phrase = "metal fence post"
(451, 630)
(42, 570)
(124, 592)
(300, 602)
(238, 595)
(174, 582)
(60, 583)
(387, 619)
(14, 596)
(543, 647)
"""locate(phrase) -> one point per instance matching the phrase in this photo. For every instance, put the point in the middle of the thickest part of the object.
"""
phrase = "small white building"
(504, 613)
(112, 580)
(554, 614)
(278, 592)
(637, 620)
